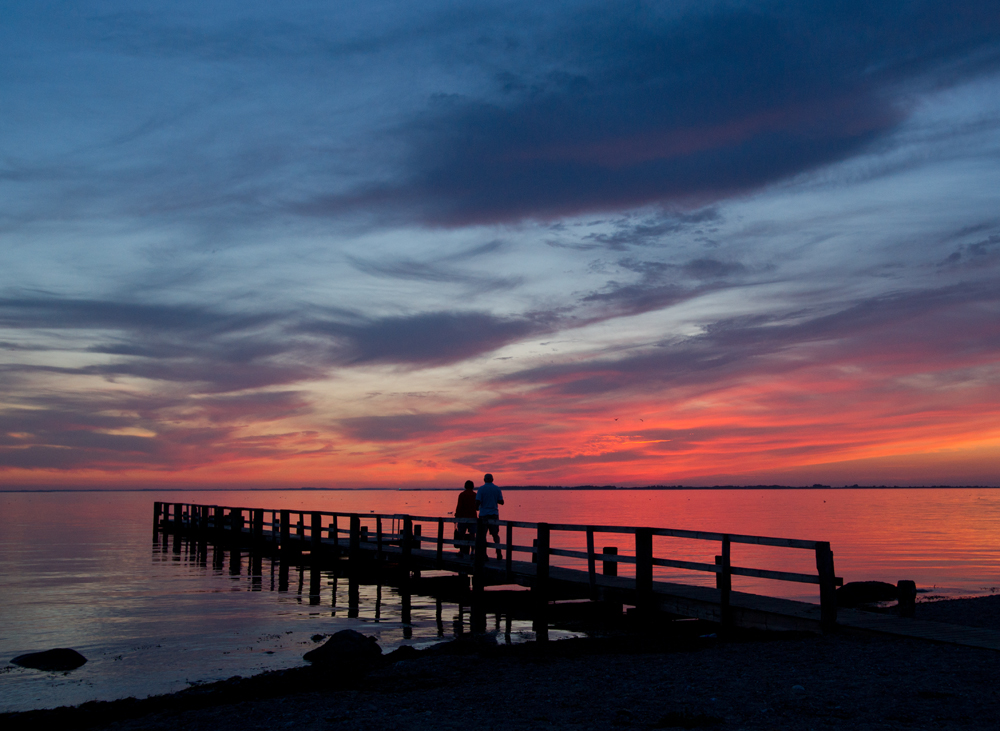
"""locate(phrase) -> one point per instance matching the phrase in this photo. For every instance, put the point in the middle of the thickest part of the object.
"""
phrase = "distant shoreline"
(536, 488)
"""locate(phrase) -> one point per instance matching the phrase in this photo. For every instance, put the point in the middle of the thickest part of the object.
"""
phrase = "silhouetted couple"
(487, 500)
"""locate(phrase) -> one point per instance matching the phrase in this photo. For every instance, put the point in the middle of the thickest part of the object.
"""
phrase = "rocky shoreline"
(683, 678)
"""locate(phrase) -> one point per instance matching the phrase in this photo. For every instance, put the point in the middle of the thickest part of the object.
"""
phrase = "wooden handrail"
(223, 519)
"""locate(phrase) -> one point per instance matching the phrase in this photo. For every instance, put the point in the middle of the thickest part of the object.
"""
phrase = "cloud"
(920, 326)
(643, 110)
(206, 348)
(425, 339)
(395, 427)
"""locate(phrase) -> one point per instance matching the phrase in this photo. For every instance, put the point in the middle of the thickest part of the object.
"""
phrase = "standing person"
(466, 508)
(488, 500)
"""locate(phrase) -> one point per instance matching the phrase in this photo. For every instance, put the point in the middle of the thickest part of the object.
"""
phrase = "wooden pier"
(556, 561)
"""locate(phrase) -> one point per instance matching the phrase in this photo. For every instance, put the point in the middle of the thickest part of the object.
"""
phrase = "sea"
(83, 569)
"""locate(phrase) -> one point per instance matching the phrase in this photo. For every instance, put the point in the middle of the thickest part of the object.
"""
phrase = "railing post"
(335, 535)
(724, 583)
(479, 555)
(644, 572)
(827, 586)
(285, 530)
(591, 563)
(257, 526)
(354, 545)
(407, 544)
(316, 537)
(177, 517)
(233, 536)
(609, 568)
(219, 524)
(508, 553)
(440, 543)
(378, 538)
(417, 530)
(541, 586)
(157, 512)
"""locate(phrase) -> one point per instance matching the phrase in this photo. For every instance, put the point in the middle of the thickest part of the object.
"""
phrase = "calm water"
(82, 570)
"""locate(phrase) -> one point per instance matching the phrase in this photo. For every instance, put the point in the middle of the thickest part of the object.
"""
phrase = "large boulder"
(346, 650)
(61, 658)
(856, 593)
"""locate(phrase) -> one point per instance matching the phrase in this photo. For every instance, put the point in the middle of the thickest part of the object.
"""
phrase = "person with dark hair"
(466, 509)
(488, 499)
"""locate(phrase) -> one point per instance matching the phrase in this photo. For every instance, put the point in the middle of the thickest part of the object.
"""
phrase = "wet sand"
(679, 680)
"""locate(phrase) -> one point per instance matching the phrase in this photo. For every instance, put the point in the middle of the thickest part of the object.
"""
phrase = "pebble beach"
(678, 679)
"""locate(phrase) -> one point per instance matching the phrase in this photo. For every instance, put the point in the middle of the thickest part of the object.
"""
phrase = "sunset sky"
(372, 243)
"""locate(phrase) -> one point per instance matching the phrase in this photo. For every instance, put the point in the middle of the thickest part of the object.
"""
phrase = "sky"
(381, 243)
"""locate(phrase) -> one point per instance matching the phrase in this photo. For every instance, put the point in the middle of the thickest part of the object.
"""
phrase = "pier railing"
(553, 546)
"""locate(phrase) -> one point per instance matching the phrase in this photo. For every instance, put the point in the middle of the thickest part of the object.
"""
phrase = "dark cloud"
(434, 271)
(394, 428)
(209, 349)
(683, 110)
(706, 268)
(95, 429)
(977, 254)
(433, 338)
(653, 230)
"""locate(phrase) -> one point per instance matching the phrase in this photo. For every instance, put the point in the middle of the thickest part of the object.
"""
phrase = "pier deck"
(561, 561)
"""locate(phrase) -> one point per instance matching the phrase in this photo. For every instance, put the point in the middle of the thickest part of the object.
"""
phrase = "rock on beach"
(346, 650)
(60, 658)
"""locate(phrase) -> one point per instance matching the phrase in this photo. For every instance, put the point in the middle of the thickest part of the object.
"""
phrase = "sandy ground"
(678, 680)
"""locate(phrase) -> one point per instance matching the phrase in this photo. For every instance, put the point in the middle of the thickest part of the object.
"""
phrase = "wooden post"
(316, 536)
(300, 531)
(440, 543)
(416, 546)
(258, 526)
(724, 583)
(378, 538)
(827, 586)
(354, 545)
(509, 553)
(219, 524)
(177, 517)
(407, 544)
(591, 563)
(644, 572)
(907, 603)
(335, 535)
(157, 511)
(609, 568)
(314, 584)
(479, 556)
(541, 586)
(285, 531)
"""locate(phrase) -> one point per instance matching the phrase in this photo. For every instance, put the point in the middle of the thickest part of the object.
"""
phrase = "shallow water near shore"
(82, 570)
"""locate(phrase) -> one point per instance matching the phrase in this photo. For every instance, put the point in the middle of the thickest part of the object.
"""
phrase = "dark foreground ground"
(678, 680)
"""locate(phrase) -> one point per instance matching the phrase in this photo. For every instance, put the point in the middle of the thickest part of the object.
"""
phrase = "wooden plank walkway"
(552, 571)
(324, 537)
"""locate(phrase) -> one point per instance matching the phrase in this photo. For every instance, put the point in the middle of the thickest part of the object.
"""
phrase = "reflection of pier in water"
(434, 602)
(560, 566)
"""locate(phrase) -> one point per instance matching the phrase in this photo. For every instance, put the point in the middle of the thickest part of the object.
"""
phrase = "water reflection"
(412, 616)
